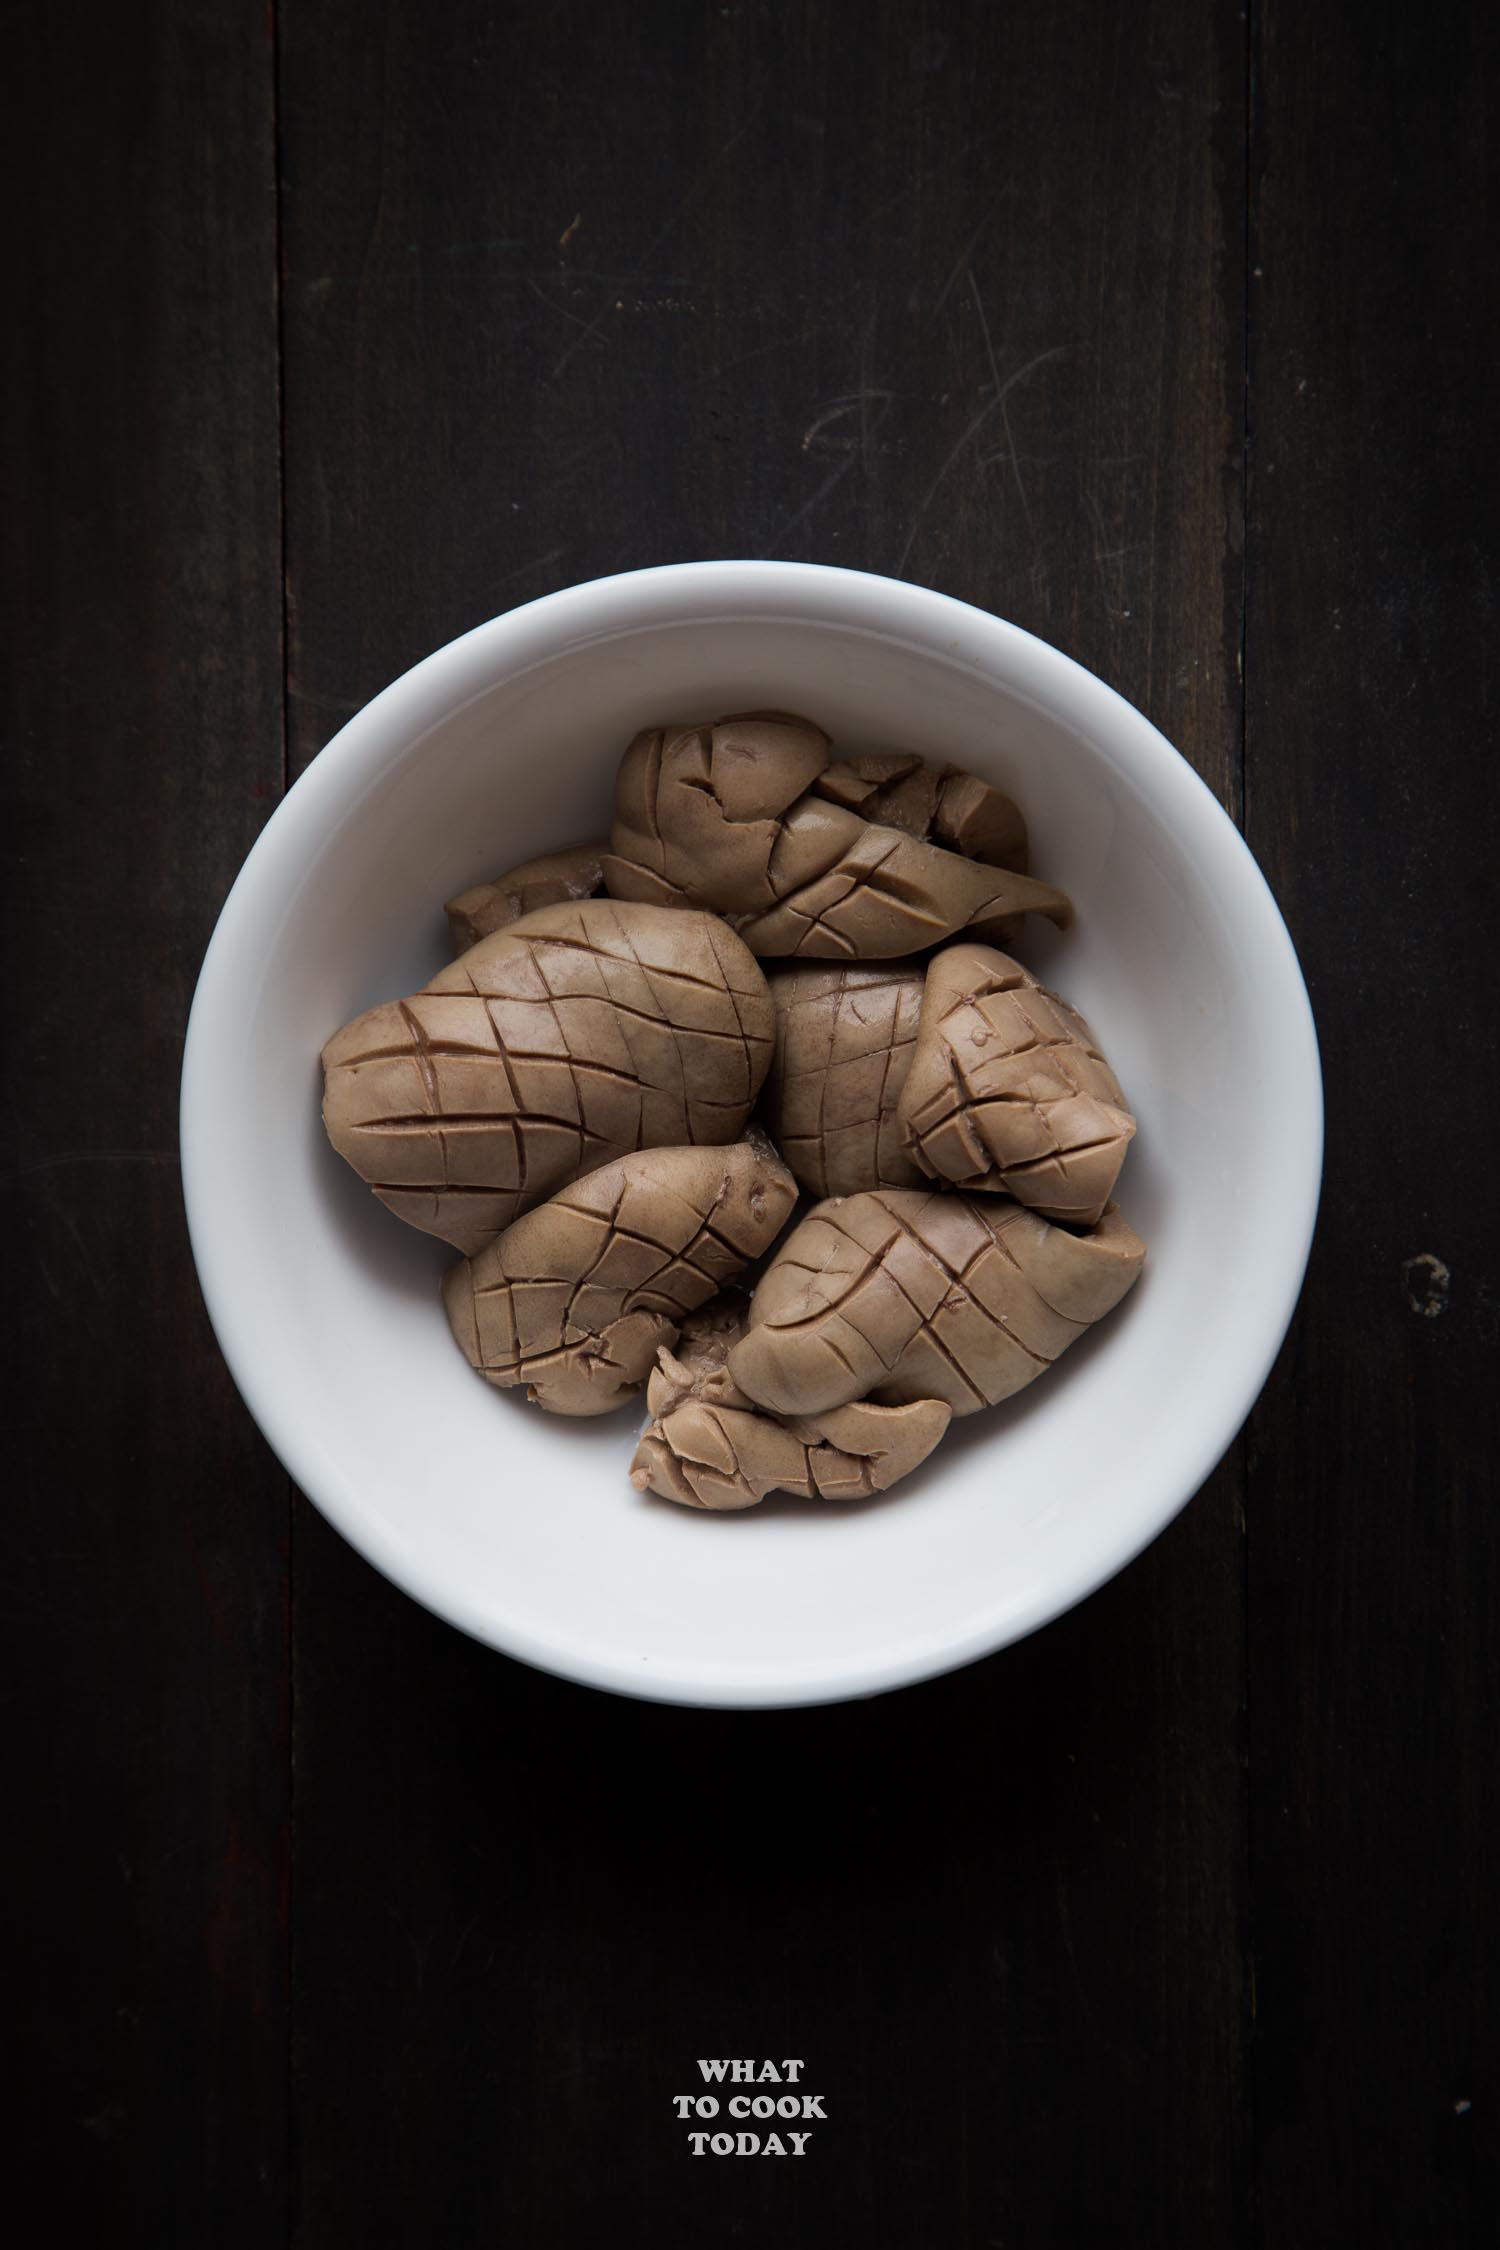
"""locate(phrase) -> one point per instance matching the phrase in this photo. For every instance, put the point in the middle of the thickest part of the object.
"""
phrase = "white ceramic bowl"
(522, 1528)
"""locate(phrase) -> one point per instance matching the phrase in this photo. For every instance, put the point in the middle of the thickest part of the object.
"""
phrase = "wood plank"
(145, 1582)
(1375, 1684)
(954, 294)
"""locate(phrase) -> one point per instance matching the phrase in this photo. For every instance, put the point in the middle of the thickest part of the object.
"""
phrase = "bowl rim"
(384, 731)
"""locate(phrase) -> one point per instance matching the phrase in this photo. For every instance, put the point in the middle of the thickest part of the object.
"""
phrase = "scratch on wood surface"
(552, 304)
(1001, 391)
(961, 265)
(591, 328)
(93, 1156)
(1114, 595)
(837, 410)
(834, 477)
(57, 1205)
(306, 700)
(537, 562)
(995, 405)
(793, 340)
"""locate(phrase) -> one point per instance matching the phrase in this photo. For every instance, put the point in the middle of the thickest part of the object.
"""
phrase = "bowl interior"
(524, 1528)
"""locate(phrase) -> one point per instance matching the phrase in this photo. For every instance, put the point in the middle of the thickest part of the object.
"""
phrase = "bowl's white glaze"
(523, 1529)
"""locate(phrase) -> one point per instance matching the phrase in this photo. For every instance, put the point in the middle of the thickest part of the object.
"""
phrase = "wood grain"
(145, 1579)
(1375, 1656)
(1169, 1926)
(948, 291)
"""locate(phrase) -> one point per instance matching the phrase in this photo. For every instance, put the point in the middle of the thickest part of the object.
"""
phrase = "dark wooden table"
(1169, 333)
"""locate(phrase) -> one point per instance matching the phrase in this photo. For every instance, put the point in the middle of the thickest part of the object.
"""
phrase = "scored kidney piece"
(898, 1296)
(845, 1035)
(942, 805)
(747, 817)
(577, 1035)
(573, 1300)
(1007, 1090)
(709, 1446)
(552, 880)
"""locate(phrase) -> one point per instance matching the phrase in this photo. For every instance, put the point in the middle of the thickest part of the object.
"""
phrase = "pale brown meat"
(696, 1366)
(942, 804)
(573, 1300)
(899, 1295)
(700, 811)
(576, 872)
(845, 1035)
(709, 1446)
(728, 816)
(1007, 1090)
(576, 1035)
